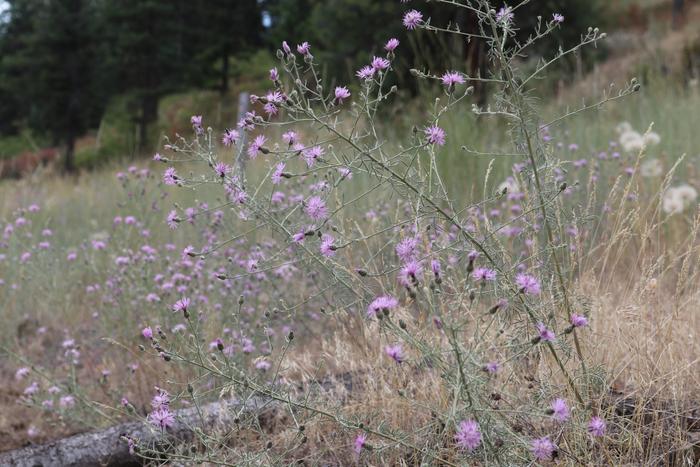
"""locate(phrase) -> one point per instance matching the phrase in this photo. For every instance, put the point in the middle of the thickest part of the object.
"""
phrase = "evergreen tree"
(228, 28)
(52, 69)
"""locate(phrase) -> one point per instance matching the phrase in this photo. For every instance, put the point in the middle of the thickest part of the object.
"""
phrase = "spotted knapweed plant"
(325, 230)
(478, 306)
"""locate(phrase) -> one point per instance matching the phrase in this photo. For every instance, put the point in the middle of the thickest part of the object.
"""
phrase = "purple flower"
(560, 410)
(542, 448)
(436, 267)
(578, 321)
(527, 284)
(341, 93)
(468, 435)
(256, 145)
(230, 137)
(161, 400)
(285, 47)
(359, 443)
(304, 48)
(391, 44)
(545, 334)
(222, 169)
(173, 220)
(311, 155)
(410, 273)
(492, 367)
(557, 18)
(406, 249)
(327, 248)
(147, 332)
(412, 19)
(505, 14)
(316, 208)
(290, 137)
(451, 78)
(66, 401)
(395, 352)
(277, 174)
(182, 304)
(270, 109)
(366, 72)
(196, 121)
(484, 274)
(21, 373)
(345, 172)
(436, 135)
(274, 75)
(597, 426)
(162, 418)
(380, 63)
(170, 176)
(385, 302)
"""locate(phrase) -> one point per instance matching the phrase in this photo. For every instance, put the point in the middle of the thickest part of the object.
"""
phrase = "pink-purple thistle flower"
(505, 15)
(222, 169)
(147, 333)
(406, 249)
(559, 410)
(170, 176)
(274, 75)
(290, 137)
(277, 174)
(230, 137)
(558, 18)
(597, 426)
(391, 44)
(256, 146)
(435, 135)
(412, 19)
(366, 72)
(304, 48)
(359, 443)
(395, 352)
(468, 436)
(341, 93)
(173, 219)
(527, 284)
(316, 208)
(327, 247)
(385, 302)
(452, 78)
(380, 63)
(545, 334)
(542, 448)
(484, 274)
(162, 418)
(578, 321)
(181, 305)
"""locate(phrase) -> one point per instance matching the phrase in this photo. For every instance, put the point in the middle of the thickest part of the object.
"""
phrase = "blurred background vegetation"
(96, 80)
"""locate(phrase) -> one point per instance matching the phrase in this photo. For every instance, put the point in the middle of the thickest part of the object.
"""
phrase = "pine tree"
(53, 72)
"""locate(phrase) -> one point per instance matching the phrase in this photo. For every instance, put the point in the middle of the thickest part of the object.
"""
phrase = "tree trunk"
(678, 6)
(69, 156)
(149, 114)
(110, 447)
(224, 72)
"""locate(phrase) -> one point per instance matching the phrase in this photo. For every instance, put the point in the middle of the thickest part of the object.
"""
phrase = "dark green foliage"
(62, 61)
(345, 33)
(49, 66)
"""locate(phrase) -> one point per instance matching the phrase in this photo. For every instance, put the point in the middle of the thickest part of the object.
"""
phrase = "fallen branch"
(109, 447)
